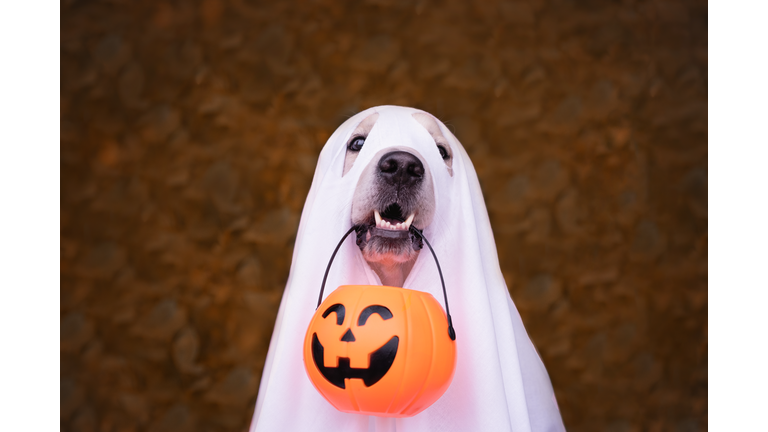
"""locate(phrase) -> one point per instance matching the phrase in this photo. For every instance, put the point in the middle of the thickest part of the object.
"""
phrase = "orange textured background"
(190, 132)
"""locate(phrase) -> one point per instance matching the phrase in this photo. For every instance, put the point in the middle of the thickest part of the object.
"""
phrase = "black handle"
(451, 331)
(327, 269)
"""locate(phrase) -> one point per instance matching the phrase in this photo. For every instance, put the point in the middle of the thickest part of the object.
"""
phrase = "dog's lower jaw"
(393, 273)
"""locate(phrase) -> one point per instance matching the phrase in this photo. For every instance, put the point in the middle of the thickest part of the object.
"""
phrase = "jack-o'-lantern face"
(380, 360)
(379, 350)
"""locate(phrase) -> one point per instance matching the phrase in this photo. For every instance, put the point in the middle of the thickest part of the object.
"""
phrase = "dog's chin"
(388, 243)
(390, 251)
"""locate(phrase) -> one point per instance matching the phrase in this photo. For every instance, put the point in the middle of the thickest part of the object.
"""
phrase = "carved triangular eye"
(340, 311)
(383, 312)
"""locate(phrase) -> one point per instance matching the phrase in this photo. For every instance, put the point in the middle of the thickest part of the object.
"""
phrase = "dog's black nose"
(399, 167)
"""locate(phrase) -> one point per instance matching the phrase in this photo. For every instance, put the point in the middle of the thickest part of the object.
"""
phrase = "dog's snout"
(401, 167)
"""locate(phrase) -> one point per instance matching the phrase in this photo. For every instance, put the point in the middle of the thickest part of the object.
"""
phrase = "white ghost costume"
(500, 383)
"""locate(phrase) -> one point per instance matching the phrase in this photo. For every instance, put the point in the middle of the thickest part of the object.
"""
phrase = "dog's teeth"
(408, 221)
(397, 227)
(377, 215)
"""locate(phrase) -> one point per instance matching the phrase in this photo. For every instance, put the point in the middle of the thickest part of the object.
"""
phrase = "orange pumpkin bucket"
(380, 350)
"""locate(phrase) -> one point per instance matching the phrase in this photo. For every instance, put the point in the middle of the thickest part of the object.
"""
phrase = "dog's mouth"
(392, 218)
(389, 231)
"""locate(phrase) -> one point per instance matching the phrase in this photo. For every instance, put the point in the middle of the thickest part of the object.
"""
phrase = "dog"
(394, 193)
(397, 176)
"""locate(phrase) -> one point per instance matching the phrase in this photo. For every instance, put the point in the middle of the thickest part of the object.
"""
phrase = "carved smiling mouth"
(380, 362)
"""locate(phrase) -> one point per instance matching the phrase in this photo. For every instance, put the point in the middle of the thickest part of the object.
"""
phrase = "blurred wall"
(189, 136)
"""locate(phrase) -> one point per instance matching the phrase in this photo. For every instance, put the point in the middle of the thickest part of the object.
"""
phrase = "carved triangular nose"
(348, 336)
